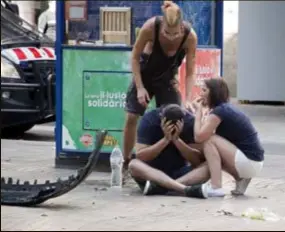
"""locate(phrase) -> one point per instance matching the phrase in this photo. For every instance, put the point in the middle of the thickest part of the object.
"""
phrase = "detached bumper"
(27, 103)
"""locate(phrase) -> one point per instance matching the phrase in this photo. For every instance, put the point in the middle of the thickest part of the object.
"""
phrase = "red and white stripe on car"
(29, 54)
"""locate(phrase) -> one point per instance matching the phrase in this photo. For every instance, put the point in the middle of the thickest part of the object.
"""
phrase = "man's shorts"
(174, 175)
(163, 95)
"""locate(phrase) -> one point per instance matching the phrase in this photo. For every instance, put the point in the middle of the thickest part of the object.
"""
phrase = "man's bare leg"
(143, 171)
(198, 175)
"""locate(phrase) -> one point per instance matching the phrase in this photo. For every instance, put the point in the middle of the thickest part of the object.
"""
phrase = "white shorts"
(245, 167)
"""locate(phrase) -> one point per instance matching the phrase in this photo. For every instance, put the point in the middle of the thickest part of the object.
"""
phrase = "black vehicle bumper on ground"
(27, 103)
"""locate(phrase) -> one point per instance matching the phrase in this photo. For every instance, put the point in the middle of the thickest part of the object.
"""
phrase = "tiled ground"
(93, 206)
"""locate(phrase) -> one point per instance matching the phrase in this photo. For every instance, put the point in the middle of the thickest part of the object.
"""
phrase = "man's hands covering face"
(177, 130)
(167, 128)
(171, 131)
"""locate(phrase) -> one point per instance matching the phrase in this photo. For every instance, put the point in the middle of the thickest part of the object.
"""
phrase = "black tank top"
(158, 68)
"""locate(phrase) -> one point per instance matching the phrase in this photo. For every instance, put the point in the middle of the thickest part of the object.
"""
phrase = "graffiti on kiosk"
(110, 141)
(86, 140)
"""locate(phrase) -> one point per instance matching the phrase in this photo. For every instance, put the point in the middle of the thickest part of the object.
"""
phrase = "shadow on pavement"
(57, 207)
(37, 133)
(32, 136)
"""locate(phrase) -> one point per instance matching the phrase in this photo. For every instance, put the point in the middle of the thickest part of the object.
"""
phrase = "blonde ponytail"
(172, 13)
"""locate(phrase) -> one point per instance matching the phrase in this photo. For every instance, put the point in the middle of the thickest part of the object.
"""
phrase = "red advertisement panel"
(208, 65)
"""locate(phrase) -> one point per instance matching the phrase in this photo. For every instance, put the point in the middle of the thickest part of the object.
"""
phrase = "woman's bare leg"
(215, 164)
(220, 154)
(227, 152)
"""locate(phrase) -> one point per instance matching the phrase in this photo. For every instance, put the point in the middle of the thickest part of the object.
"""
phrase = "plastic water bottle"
(116, 163)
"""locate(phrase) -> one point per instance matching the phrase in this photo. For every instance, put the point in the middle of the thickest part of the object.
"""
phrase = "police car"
(27, 74)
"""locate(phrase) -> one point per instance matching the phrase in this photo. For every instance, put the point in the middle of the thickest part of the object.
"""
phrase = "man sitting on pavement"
(163, 154)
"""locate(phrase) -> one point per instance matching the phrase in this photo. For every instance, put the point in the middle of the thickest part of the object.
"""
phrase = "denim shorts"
(163, 95)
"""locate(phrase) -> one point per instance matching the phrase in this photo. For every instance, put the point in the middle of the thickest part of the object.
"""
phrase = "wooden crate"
(115, 25)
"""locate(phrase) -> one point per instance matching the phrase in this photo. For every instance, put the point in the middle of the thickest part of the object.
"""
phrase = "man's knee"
(133, 167)
(131, 119)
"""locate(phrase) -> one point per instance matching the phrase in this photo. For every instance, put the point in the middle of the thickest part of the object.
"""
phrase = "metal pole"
(219, 35)
(60, 31)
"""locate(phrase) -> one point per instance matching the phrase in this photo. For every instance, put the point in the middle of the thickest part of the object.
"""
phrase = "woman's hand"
(197, 104)
(189, 107)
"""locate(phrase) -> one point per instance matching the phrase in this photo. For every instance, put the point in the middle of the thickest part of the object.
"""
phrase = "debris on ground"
(262, 214)
(100, 189)
(262, 197)
(225, 212)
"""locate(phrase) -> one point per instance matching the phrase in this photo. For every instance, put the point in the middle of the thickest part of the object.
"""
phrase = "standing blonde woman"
(160, 47)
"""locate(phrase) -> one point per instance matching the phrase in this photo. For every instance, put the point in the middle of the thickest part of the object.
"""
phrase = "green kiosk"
(91, 85)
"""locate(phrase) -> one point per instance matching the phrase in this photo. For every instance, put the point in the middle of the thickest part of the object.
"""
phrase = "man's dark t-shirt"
(237, 128)
(150, 132)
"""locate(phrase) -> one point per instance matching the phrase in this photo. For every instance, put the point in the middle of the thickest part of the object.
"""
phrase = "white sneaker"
(211, 192)
(241, 186)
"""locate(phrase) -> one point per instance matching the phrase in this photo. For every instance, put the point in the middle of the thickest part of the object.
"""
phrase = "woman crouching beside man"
(230, 141)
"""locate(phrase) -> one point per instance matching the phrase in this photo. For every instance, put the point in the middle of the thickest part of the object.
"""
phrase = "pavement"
(93, 206)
